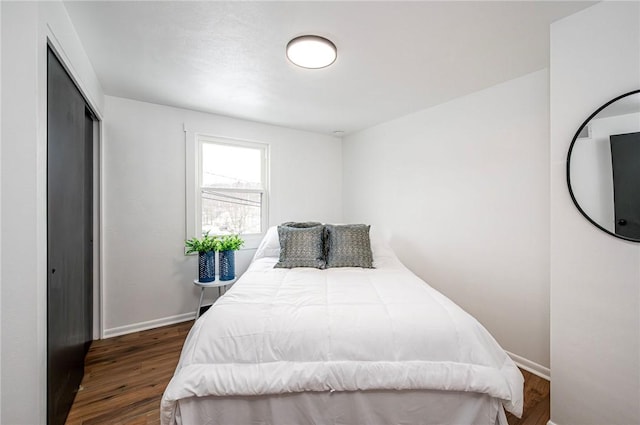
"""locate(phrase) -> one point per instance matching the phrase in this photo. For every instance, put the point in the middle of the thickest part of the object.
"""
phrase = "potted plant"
(226, 246)
(205, 247)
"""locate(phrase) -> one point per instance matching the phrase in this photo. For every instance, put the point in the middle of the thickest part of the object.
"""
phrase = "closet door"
(69, 223)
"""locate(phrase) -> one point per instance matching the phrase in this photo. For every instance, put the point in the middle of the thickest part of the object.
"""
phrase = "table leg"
(200, 303)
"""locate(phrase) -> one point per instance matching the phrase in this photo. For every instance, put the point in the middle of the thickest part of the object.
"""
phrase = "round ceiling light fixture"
(311, 51)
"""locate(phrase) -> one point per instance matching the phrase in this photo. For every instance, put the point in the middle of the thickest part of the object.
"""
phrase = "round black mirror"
(603, 167)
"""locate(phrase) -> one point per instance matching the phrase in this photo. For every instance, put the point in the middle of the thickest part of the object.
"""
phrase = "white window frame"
(194, 142)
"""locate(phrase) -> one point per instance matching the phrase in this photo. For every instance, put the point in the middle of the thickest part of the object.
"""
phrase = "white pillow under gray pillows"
(348, 245)
(301, 246)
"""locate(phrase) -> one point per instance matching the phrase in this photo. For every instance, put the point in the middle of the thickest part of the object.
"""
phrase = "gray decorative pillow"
(301, 247)
(348, 246)
(301, 225)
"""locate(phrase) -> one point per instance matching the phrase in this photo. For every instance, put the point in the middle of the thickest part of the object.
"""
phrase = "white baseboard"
(550, 423)
(151, 324)
(529, 366)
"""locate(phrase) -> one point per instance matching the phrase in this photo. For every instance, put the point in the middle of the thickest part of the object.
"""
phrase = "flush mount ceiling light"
(311, 51)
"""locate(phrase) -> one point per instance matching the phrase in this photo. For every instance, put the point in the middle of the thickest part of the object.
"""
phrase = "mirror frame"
(568, 171)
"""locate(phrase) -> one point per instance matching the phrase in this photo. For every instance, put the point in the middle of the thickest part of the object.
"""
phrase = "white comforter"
(291, 330)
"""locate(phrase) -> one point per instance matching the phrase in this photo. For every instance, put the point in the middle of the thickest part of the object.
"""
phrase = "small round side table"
(215, 284)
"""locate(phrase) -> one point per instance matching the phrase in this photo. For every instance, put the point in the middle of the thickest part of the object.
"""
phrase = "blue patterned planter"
(206, 266)
(227, 260)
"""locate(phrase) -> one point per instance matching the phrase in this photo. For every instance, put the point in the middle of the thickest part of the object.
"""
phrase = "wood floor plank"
(125, 377)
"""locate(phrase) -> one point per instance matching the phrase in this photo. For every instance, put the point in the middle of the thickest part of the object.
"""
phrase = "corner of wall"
(595, 326)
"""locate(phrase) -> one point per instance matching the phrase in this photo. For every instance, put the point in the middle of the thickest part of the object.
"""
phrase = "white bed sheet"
(279, 333)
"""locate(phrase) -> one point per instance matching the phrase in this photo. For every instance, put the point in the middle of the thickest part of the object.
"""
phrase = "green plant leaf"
(229, 243)
(205, 244)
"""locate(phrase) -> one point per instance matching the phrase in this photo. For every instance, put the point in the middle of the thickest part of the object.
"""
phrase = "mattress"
(293, 335)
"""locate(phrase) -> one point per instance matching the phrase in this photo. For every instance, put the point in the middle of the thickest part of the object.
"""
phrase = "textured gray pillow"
(301, 225)
(348, 246)
(301, 247)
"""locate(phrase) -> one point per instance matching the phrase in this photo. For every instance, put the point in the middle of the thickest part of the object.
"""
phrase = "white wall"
(595, 278)
(463, 187)
(25, 28)
(147, 277)
(0, 207)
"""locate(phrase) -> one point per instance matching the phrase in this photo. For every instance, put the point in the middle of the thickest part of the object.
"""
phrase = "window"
(230, 188)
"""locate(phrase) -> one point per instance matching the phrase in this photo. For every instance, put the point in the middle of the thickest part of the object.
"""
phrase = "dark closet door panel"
(88, 234)
(67, 210)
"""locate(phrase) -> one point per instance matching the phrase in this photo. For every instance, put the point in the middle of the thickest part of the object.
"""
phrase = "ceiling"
(394, 58)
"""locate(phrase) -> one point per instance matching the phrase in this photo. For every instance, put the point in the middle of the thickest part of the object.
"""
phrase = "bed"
(339, 346)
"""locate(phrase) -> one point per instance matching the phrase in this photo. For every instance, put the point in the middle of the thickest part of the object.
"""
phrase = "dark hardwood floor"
(125, 377)
(537, 403)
